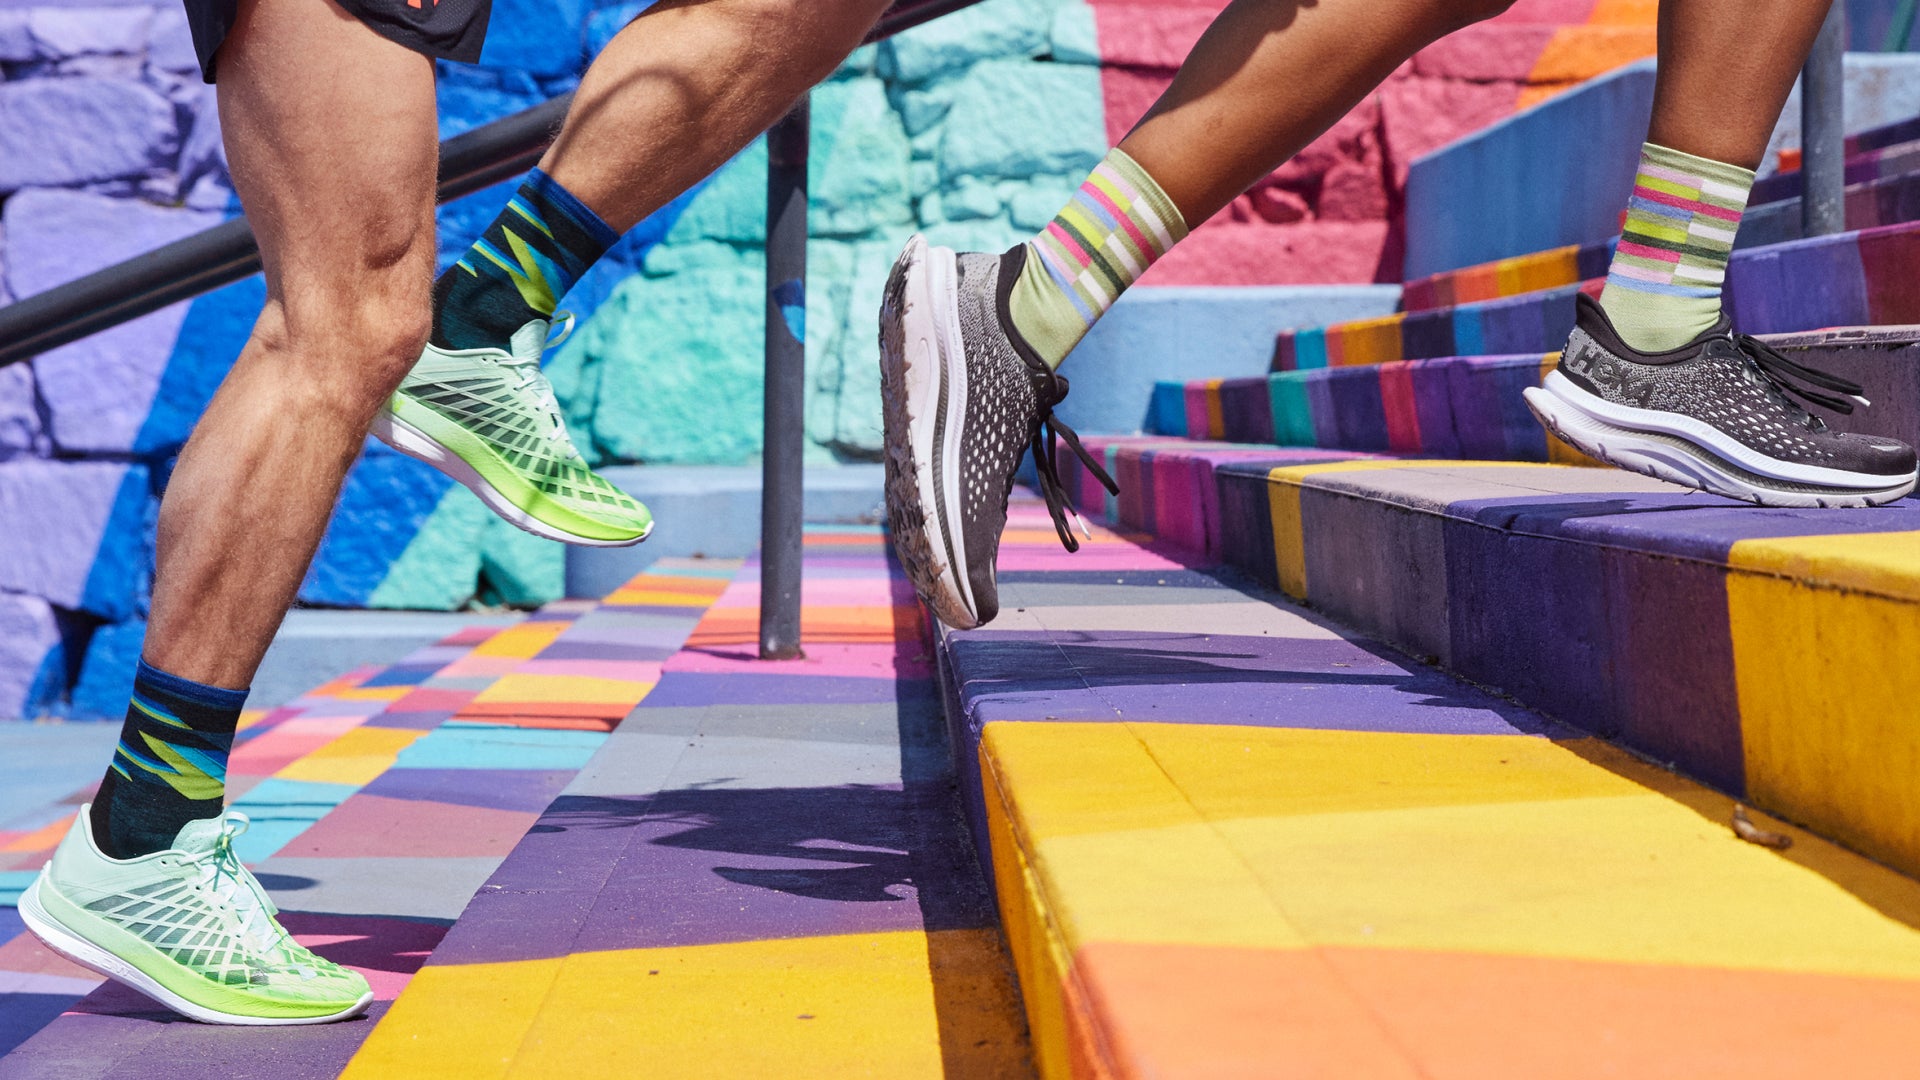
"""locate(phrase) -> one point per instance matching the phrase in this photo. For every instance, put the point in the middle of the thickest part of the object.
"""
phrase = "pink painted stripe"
(1126, 224)
(1627, 247)
(1693, 205)
(1065, 240)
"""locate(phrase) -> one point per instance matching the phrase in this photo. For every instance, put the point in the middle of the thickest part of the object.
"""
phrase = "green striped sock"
(1663, 289)
(1118, 223)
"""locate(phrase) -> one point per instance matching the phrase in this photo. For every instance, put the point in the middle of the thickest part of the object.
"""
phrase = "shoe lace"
(1784, 376)
(1050, 389)
(528, 368)
(218, 869)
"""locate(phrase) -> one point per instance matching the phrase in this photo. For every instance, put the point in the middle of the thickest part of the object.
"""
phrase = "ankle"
(171, 765)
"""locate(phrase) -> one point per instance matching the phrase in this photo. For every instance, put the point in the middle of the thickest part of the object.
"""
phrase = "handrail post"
(1823, 131)
(782, 504)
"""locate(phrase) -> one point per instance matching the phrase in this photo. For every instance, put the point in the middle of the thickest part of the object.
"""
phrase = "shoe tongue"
(198, 836)
(529, 341)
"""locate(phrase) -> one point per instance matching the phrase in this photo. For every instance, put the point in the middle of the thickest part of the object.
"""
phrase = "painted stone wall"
(974, 129)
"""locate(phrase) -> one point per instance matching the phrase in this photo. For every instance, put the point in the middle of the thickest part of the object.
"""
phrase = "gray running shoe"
(965, 398)
(1721, 413)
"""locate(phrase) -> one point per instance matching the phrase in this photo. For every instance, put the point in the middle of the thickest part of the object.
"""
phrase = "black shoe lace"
(1050, 389)
(1784, 376)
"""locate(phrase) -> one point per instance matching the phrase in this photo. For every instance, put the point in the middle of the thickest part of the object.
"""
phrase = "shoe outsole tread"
(913, 542)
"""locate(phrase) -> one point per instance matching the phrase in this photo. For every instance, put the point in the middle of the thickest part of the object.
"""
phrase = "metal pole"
(1823, 132)
(781, 499)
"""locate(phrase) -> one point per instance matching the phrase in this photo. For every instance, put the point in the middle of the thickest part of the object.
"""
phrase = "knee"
(358, 330)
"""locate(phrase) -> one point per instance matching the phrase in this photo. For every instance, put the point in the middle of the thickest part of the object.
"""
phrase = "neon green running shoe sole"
(425, 435)
(100, 946)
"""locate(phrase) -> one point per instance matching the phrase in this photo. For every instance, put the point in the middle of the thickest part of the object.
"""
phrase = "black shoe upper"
(1735, 383)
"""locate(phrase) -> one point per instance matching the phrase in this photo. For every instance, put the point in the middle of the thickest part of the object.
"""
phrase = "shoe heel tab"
(77, 847)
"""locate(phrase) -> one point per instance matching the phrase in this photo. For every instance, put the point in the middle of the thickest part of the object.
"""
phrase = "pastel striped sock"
(1118, 223)
(1664, 287)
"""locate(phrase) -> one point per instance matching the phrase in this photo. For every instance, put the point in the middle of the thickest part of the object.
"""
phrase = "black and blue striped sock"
(171, 765)
(520, 267)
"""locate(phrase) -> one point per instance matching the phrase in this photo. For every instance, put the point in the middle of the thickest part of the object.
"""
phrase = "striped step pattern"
(1883, 188)
(1878, 160)
(1472, 407)
(1766, 652)
(379, 802)
(762, 872)
(1230, 838)
(1847, 279)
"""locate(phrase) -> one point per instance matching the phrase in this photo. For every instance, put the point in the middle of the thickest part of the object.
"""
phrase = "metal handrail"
(469, 162)
(226, 253)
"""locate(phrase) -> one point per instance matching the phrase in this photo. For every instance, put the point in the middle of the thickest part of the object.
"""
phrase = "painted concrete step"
(1848, 279)
(764, 871)
(1883, 188)
(1559, 173)
(1863, 148)
(1230, 838)
(1766, 652)
(1472, 407)
(380, 802)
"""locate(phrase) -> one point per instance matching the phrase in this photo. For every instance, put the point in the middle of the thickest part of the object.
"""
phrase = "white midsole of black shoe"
(424, 448)
(1686, 451)
(929, 332)
(98, 960)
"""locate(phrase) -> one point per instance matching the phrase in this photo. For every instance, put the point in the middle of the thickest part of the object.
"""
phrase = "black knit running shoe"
(1721, 413)
(965, 398)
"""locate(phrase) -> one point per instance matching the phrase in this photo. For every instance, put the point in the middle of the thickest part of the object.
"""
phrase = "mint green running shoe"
(488, 418)
(189, 927)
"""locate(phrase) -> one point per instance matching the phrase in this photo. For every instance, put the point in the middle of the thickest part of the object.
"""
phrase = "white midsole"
(929, 339)
(421, 447)
(92, 957)
(1710, 438)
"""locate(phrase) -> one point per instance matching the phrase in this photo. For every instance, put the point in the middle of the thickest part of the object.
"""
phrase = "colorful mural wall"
(109, 146)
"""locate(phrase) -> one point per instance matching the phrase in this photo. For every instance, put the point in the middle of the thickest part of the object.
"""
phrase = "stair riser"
(1765, 652)
(1857, 278)
(1472, 407)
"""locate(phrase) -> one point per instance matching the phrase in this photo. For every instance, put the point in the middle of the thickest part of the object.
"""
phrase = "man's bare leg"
(685, 86)
(671, 98)
(332, 144)
(331, 140)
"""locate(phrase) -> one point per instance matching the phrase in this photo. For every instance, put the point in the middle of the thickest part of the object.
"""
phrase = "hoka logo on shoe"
(1622, 381)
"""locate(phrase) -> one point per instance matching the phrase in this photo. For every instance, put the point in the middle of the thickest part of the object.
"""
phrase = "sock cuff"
(150, 678)
(1149, 189)
(1706, 168)
(549, 191)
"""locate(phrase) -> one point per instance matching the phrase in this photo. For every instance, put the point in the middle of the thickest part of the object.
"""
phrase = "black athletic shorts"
(444, 29)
